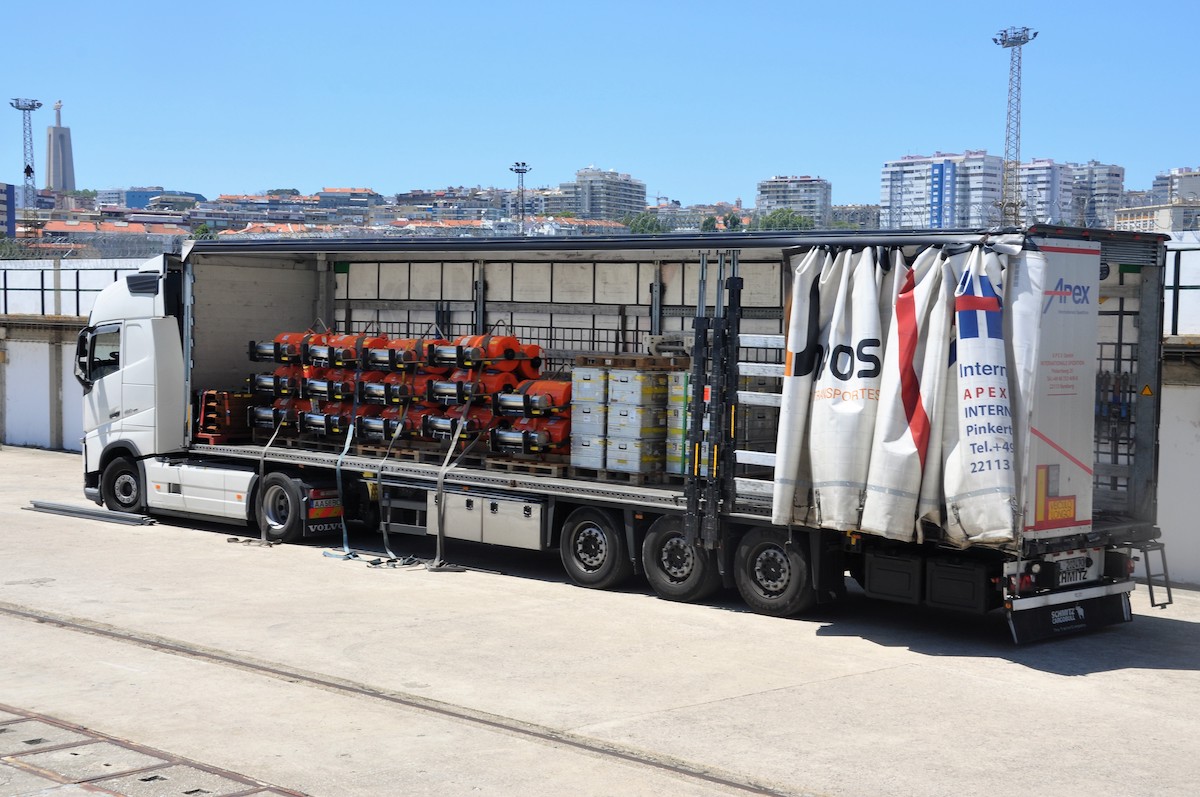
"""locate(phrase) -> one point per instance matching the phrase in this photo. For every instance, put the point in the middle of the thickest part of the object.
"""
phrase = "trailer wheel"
(593, 549)
(279, 508)
(121, 486)
(678, 571)
(772, 577)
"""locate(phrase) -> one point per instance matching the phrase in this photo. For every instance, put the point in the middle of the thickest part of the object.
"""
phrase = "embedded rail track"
(463, 714)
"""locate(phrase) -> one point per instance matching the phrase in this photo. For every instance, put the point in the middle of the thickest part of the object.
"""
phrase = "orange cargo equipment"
(403, 354)
(393, 388)
(337, 351)
(286, 380)
(416, 417)
(284, 412)
(533, 435)
(382, 426)
(286, 347)
(500, 352)
(326, 384)
(465, 386)
(335, 418)
(531, 366)
(475, 419)
(535, 397)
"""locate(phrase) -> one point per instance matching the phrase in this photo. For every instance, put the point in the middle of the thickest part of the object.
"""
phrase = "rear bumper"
(1068, 612)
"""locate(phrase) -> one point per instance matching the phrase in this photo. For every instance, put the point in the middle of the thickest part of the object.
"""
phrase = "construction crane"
(1013, 39)
(27, 107)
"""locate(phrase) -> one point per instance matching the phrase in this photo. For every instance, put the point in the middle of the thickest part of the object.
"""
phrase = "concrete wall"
(42, 403)
(43, 304)
(1179, 440)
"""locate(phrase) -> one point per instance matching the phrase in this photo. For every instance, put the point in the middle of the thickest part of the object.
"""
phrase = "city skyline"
(700, 104)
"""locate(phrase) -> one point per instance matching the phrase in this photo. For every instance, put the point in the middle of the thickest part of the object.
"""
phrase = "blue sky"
(699, 100)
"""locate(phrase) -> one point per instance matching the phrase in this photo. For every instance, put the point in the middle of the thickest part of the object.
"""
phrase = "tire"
(773, 577)
(678, 571)
(593, 549)
(279, 508)
(121, 486)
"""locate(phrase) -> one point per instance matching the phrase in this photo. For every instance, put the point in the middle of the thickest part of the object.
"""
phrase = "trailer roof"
(622, 246)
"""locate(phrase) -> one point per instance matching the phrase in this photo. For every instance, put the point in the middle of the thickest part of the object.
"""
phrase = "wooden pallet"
(530, 467)
(640, 362)
(618, 476)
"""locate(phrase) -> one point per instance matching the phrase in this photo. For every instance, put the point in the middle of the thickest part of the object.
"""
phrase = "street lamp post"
(521, 168)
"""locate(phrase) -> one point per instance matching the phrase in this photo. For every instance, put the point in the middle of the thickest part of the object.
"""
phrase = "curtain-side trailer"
(962, 419)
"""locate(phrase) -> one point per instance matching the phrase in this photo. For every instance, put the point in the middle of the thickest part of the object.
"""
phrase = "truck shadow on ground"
(1153, 641)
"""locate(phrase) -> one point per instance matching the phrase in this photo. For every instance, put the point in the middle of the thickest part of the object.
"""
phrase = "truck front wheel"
(772, 576)
(678, 571)
(593, 549)
(121, 486)
(279, 508)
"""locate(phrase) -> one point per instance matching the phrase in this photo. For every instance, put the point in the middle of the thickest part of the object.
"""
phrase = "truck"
(960, 419)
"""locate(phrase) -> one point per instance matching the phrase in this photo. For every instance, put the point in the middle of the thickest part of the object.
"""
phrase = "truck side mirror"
(82, 355)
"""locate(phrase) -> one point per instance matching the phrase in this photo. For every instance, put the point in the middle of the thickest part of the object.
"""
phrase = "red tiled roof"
(67, 227)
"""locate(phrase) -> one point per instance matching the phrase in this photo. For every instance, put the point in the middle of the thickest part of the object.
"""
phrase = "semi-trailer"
(961, 419)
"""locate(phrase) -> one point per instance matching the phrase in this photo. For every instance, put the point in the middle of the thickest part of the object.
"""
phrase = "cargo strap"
(262, 469)
(346, 553)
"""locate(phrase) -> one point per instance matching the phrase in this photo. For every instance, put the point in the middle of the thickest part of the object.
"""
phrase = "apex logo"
(1077, 294)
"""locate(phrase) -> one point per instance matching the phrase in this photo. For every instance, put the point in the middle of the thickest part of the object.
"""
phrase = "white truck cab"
(129, 360)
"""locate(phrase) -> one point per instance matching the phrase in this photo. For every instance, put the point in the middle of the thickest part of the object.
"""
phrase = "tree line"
(778, 219)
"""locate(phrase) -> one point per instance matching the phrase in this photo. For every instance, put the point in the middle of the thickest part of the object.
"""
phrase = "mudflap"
(322, 511)
(1044, 622)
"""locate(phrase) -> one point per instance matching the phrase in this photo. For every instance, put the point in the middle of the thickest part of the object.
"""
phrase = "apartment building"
(1047, 189)
(808, 196)
(1097, 192)
(604, 194)
(941, 191)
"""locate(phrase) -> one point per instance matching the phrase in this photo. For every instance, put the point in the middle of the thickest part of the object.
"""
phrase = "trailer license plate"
(1073, 570)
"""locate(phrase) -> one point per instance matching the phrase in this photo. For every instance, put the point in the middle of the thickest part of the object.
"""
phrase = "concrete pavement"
(332, 678)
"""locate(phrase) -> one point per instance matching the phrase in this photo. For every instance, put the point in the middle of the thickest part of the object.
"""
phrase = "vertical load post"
(695, 432)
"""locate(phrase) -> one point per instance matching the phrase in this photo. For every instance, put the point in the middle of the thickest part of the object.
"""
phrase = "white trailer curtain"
(900, 395)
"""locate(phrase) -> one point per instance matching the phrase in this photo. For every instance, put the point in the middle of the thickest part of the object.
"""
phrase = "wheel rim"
(277, 507)
(677, 558)
(591, 547)
(125, 489)
(772, 570)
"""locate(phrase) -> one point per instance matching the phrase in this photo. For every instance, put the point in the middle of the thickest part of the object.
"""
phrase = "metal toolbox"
(589, 384)
(631, 386)
(632, 421)
(636, 456)
(588, 452)
(589, 419)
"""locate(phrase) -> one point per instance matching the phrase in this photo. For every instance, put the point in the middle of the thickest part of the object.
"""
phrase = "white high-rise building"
(600, 194)
(941, 191)
(808, 196)
(1046, 188)
(1096, 193)
(1181, 184)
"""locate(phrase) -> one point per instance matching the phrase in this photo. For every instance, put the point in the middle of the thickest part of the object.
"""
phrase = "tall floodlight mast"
(1013, 39)
(27, 107)
(521, 168)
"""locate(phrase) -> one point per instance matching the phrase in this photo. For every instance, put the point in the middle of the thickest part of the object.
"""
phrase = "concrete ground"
(303, 672)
